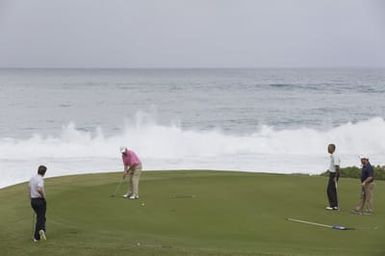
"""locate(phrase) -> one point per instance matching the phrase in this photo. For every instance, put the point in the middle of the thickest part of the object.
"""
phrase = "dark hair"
(41, 170)
(332, 145)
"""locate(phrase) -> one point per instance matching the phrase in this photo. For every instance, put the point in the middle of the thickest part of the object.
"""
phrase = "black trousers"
(332, 190)
(39, 205)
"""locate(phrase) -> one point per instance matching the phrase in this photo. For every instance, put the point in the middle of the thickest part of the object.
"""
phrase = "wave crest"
(171, 147)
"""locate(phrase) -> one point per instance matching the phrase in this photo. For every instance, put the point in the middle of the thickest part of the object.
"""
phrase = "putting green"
(192, 213)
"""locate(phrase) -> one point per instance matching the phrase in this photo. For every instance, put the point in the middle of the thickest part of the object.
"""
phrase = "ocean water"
(258, 120)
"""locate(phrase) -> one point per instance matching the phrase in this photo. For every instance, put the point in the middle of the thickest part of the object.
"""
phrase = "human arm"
(40, 188)
(369, 179)
(337, 173)
(370, 176)
(125, 171)
(41, 192)
(126, 163)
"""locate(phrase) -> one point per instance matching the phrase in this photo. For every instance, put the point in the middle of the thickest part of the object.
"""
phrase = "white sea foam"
(170, 147)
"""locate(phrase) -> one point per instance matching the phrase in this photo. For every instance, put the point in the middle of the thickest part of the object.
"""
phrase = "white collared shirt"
(334, 160)
(34, 183)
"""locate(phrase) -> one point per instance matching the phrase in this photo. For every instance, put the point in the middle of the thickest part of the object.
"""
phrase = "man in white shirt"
(38, 203)
(334, 174)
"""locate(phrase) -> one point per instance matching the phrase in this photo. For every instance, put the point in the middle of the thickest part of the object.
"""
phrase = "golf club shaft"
(336, 184)
(117, 187)
(33, 224)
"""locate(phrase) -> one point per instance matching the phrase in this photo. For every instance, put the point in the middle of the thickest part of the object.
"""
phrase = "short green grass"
(192, 213)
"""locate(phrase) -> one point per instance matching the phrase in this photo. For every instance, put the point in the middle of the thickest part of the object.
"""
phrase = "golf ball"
(138, 244)
(142, 204)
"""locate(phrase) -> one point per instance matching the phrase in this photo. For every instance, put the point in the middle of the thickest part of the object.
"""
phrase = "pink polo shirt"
(130, 159)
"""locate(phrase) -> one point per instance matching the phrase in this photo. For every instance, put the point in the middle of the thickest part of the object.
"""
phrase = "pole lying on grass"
(182, 196)
(117, 188)
(338, 227)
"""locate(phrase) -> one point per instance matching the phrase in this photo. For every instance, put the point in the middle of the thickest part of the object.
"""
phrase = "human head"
(41, 170)
(364, 160)
(331, 148)
(123, 150)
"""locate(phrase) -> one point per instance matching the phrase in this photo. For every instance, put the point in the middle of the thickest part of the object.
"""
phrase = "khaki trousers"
(133, 180)
(366, 199)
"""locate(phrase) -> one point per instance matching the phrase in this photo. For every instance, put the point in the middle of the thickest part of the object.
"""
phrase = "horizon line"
(188, 68)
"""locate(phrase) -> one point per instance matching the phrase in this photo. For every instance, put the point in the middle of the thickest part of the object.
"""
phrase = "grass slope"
(231, 214)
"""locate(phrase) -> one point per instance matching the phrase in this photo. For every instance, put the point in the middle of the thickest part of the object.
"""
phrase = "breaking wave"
(171, 147)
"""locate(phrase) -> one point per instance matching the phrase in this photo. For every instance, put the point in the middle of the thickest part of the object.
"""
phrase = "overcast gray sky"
(192, 33)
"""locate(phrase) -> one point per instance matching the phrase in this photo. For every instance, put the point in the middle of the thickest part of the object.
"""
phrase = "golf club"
(338, 203)
(33, 225)
(117, 188)
(337, 227)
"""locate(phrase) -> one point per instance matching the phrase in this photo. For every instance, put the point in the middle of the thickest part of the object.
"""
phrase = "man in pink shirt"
(132, 168)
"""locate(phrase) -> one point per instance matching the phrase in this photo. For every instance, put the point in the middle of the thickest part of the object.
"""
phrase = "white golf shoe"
(42, 235)
(127, 195)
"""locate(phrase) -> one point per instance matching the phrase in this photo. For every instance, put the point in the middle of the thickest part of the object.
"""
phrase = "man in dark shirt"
(365, 205)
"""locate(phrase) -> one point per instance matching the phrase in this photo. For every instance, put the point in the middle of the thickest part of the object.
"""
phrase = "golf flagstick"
(182, 196)
(338, 227)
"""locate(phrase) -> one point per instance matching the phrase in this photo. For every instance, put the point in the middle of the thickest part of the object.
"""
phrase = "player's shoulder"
(337, 158)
